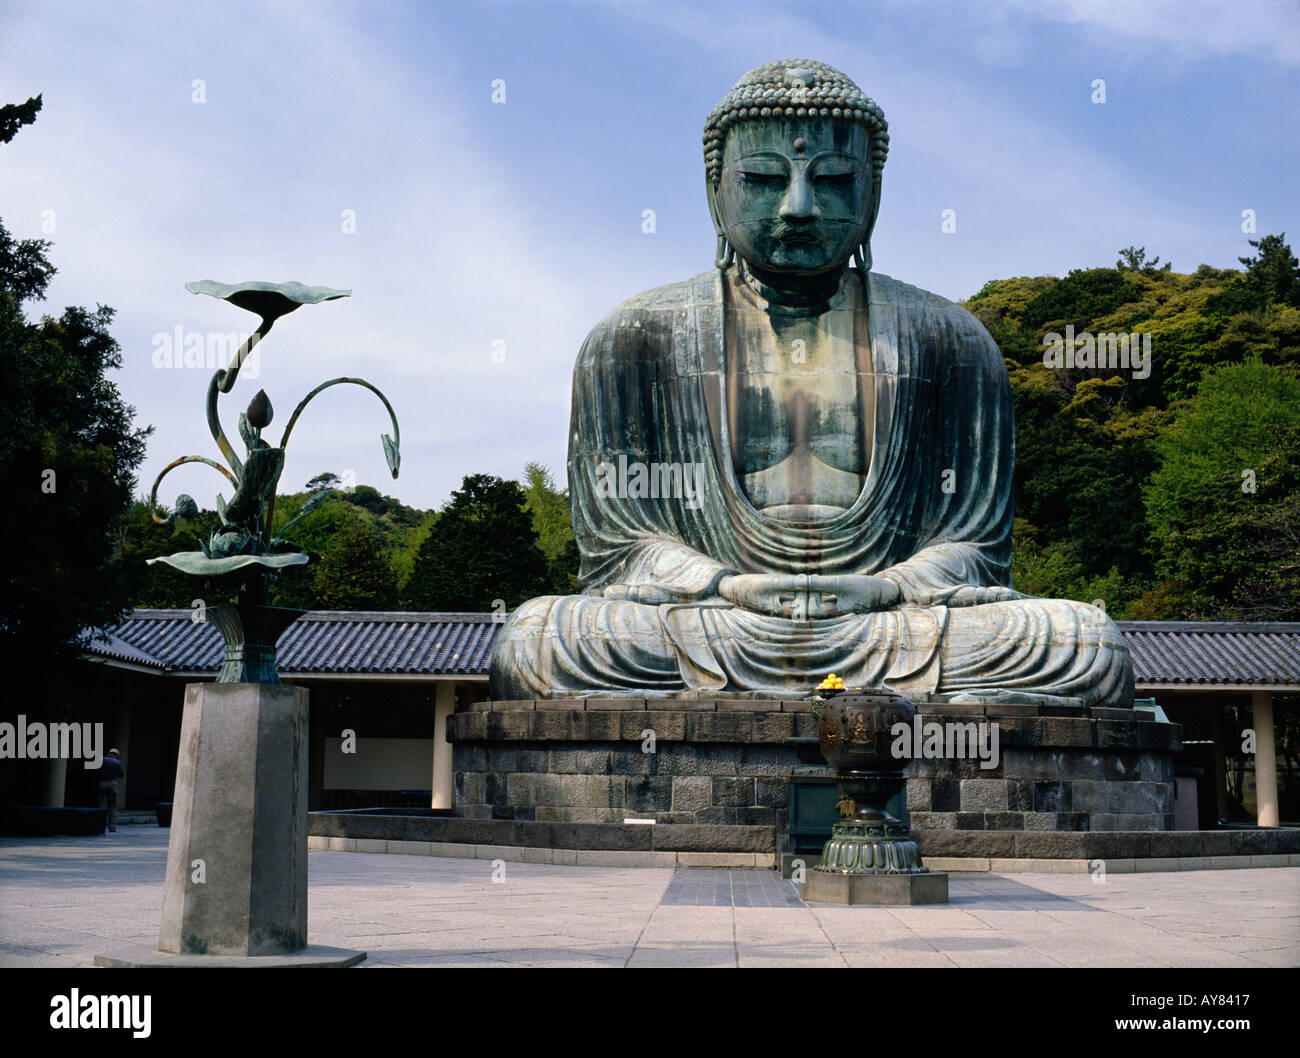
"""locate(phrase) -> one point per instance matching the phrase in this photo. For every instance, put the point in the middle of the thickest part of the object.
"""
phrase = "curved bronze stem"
(223, 380)
(228, 376)
(284, 441)
(153, 494)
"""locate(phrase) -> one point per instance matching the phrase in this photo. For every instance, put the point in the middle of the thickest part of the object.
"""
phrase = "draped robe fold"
(660, 517)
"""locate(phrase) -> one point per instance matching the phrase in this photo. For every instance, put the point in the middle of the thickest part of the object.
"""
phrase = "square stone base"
(236, 881)
(822, 887)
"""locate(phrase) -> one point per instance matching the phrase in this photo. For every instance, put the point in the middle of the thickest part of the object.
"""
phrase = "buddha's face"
(796, 193)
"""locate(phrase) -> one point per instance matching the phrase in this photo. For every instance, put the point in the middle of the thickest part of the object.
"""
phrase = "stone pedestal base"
(824, 887)
(727, 761)
(237, 861)
(314, 956)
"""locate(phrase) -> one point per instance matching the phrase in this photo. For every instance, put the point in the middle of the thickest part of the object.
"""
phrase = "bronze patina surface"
(793, 464)
(243, 553)
(855, 733)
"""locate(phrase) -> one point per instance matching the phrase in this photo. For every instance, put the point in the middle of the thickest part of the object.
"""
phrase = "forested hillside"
(1170, 489)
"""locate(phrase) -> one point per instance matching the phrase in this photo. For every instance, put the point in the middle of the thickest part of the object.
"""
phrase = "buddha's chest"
(799, 426)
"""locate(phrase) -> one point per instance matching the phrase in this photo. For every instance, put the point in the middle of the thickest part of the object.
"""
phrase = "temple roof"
(441, 645)
(322, 642)
(1214, 652)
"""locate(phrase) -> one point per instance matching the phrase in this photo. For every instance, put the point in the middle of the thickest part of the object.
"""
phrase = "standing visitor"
(109, 774)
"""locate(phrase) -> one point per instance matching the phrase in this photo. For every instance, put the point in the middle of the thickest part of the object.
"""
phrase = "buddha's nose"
(799, 199)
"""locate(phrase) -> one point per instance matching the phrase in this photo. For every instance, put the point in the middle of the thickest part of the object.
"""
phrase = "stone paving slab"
(65, 899)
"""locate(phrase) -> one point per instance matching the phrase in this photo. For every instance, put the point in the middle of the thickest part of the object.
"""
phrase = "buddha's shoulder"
(672, 295)
(653, 312)
(950, 330)
(933, 309)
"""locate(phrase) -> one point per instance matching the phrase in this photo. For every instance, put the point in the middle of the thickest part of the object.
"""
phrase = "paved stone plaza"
(63, 900)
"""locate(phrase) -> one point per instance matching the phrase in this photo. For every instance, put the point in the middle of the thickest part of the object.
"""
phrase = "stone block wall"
(726, 762)
(1111, 769)
(720, 766)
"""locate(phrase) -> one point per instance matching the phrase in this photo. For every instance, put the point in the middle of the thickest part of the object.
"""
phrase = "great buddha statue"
(792, 464)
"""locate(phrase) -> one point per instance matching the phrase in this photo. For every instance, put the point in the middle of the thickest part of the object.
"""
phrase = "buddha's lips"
(786, 233)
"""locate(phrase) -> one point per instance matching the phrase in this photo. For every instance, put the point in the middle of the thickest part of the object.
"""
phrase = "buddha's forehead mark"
(799, 139)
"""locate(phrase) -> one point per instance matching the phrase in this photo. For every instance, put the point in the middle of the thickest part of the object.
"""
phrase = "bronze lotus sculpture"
(244, 550)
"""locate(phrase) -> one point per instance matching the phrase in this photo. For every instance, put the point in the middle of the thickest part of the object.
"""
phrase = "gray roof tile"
(441, 644)
(1214, 652)
(323, 641)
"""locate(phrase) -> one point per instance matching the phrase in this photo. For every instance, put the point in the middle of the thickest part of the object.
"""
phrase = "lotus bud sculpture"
(243, 549)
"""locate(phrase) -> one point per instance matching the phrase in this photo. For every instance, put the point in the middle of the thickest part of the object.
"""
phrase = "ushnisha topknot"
(794, 88)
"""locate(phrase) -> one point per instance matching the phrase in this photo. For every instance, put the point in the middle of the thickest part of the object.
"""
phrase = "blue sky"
(490, 237)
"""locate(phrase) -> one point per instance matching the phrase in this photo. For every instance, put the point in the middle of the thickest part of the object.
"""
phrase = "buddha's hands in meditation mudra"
(809, 597)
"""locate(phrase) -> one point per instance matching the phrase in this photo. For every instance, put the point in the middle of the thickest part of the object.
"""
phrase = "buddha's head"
(794, 156)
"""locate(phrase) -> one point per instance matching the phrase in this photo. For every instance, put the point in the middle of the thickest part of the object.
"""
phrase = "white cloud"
(305, 117)
(1260, 29)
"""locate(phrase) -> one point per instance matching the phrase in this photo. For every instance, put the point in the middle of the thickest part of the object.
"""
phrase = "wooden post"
(1261, 716)
(444, 794)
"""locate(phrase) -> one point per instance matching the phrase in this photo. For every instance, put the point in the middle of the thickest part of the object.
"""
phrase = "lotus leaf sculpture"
(243, 548)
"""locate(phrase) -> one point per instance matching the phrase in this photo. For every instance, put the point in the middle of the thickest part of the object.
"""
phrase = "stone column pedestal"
(239, 822)
(236, 885)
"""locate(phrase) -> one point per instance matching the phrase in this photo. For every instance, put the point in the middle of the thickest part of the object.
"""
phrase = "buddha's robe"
(660, 517)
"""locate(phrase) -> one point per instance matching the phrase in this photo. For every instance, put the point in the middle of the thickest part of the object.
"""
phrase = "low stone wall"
(726, 762)
(575, 760)
(1110, 770)
(614, 845)
(1275, 844)
(590, 837)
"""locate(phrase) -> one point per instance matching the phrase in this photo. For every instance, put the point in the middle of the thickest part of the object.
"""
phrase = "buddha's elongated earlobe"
(862, 255)
(726, 254)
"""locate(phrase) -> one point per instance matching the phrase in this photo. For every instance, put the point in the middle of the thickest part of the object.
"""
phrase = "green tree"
(1134, 259)
(401, 556)
(139, 538)
(326, 480)
(549, 507)
(352, 575)
(14, 116)
(563, 570)
(484, 548)
(317, 535)
(25, 271)
(1000, 305)
(1224, 503)
(1082, 296)
(68, 452)
(1086, 438)
(369, 498)
(1081, 459)
(1274, 271)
